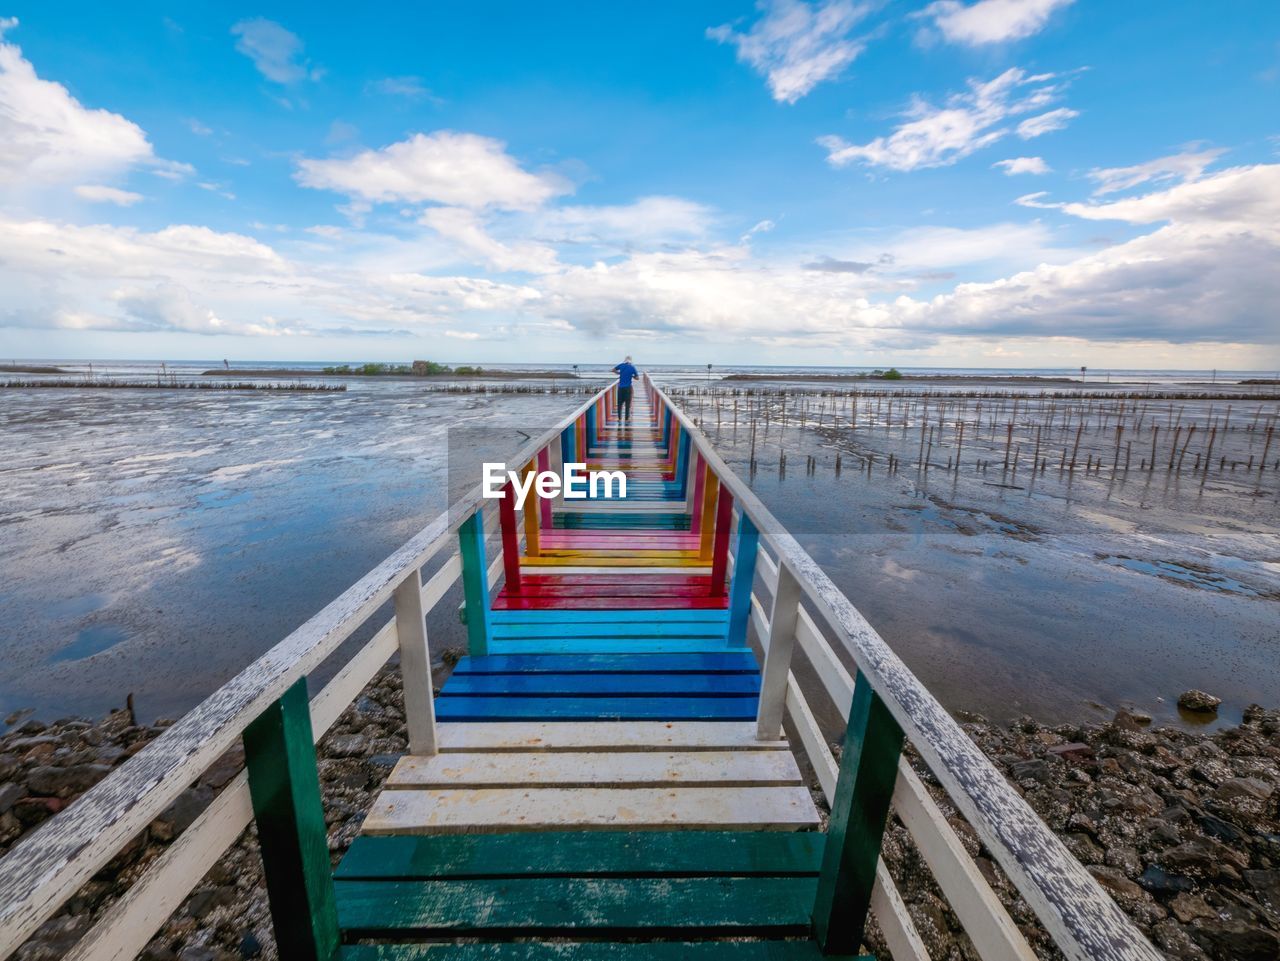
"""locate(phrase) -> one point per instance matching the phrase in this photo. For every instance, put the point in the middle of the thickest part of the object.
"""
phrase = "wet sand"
(1064, 595)
(156, 542)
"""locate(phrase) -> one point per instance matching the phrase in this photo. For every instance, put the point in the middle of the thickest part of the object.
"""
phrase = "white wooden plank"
(603, 736)
(900, 934)
(612, 769)
(415, 666)
(541, 809)
(985, 920)
(777, 658)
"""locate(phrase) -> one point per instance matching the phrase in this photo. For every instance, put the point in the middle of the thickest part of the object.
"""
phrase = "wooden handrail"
(1085, 923)
(41, 872)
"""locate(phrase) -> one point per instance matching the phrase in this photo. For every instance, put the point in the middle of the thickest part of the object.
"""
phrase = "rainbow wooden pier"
(620, 766)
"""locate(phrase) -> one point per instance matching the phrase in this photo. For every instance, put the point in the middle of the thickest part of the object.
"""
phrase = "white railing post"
(415, 666)
(777, 655)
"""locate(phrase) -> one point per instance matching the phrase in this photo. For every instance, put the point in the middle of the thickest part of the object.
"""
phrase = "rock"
(1083, 848)
(250, 947)
(32, 810)
(347, 745)
(1250, 788)
(1034, 770)
(226, 767)
(1160, 833)
(197, 952)
(1076, 751)
(177, 817)
(10, 794)
(1116, 883)
(10, 828)
(204, 901)
(1158, 881)
(1267, 884)
(1190, 907)
(1199, 701)
(1236, 941)
(1125, 858)
(1222, 830)
(65, 782)
(1173, 940)
(1082, 822)
(1201, 858)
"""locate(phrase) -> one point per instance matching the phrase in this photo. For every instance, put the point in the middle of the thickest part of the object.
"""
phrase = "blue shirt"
(625, 373)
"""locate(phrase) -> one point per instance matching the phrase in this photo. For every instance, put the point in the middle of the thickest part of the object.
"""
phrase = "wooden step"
(613, 707)
(606, 736)
(594, 951)
(464, 811)
(587, 769)
(524, 906)
(584, 854)
(736, 662)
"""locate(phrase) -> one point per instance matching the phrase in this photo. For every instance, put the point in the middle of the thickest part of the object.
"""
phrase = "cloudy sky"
(1014, 183)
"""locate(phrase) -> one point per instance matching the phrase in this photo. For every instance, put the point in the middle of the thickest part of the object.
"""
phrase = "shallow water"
(1056, 596)
(156, 542)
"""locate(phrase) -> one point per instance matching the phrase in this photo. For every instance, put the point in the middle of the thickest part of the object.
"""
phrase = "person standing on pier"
(626, 372)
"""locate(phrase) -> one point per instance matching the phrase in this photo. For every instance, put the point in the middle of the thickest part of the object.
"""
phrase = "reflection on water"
(155, 543)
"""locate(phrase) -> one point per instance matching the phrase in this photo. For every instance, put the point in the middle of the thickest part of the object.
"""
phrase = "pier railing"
(881, 700)
(883, 703)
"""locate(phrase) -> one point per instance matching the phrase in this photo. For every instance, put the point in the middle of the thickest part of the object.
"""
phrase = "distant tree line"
(419, 368)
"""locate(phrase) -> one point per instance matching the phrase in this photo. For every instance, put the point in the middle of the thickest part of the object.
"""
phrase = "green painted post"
(475, 582)
(868, 770)
(280, 755)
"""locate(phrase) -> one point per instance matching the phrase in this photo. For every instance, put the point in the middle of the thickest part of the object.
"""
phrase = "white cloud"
(939, 136)
(991, 21)
(275, 51)
(468, 232)
(797, 45)
(97, 193)
(48, 137)
(454, 169)
(1022, 165)
(1046, 123)
(409, 87)
(1202, 275)
(1189, 165)
(1240, 196)
(647, 221)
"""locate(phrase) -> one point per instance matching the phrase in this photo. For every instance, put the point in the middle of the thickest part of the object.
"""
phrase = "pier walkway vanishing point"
(612, 770)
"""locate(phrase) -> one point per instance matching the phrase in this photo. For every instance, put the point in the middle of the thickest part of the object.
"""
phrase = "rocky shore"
(1183, 829)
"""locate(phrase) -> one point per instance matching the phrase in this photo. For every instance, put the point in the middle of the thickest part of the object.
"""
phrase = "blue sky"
(994, 183)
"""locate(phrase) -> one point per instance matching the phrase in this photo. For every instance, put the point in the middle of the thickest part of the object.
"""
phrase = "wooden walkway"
(606, 696)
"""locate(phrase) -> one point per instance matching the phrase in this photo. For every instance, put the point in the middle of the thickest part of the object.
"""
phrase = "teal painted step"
(595, 951)
(618, 906)
(602, 685)
(737, 662)
(592, 854)
(609, 708)
(606, 645)
(641, 629)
